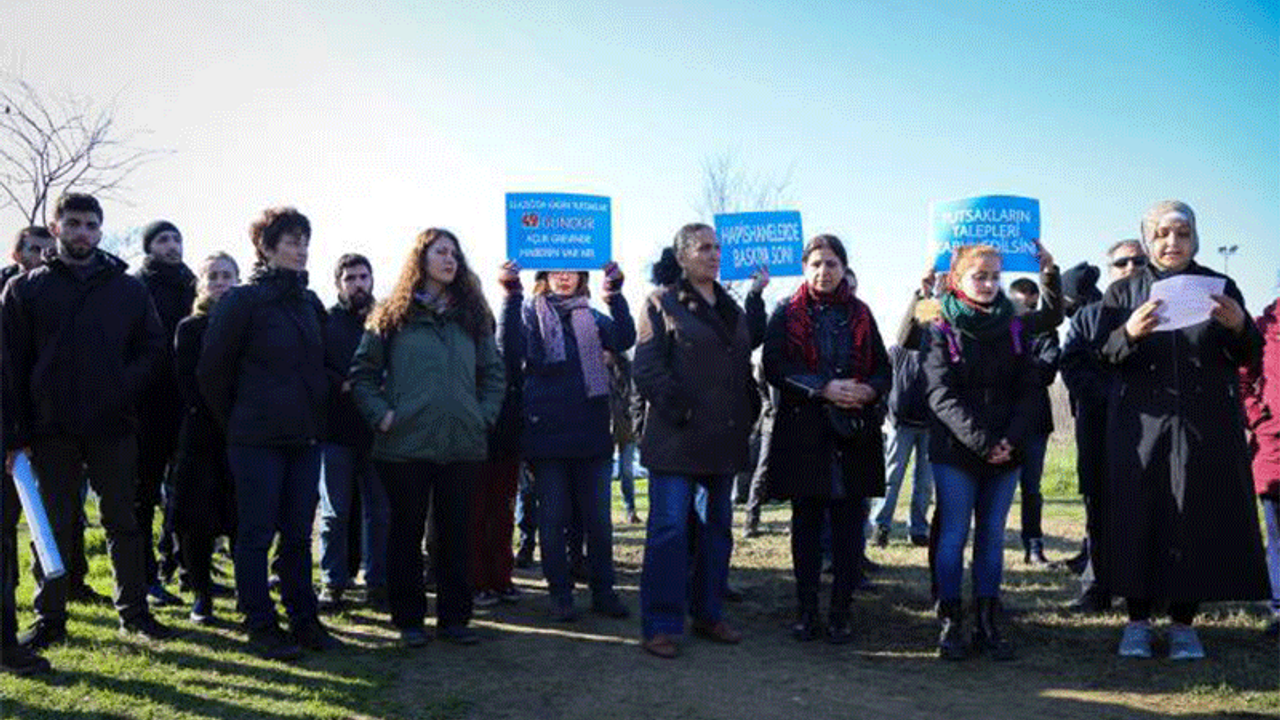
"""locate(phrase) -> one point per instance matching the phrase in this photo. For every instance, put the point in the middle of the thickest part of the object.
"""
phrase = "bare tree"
(727, 187)
(49, 146)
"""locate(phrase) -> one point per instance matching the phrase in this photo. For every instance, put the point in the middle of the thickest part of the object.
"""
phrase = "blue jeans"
(1033, 451)
(559, 482)
(276, 491)
(902, 441)
(527, 510)
(627, 475)
(986, 500)
(347, 471)
(1271, 511)
(664, 577)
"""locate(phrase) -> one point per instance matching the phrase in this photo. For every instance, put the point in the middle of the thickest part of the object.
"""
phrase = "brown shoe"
(662, 646)
(719, 632)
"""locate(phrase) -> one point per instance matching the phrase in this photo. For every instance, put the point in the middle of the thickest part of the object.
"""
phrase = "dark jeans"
(1271, 512)
(755, 494)
(559, 483)
(527, 510)
(410, 487)
(60, 464)
(984, 500)
(1033, 451)
(665, 594)
(276, 492)
(807, 520)
(8, 561)
(348, 472)
(156, 447)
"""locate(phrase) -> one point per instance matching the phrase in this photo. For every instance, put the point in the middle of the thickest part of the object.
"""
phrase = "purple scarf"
(590, 352)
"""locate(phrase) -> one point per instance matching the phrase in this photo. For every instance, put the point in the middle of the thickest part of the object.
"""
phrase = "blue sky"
(379, 119)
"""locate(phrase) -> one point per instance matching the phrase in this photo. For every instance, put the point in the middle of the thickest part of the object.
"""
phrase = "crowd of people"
(424, 425)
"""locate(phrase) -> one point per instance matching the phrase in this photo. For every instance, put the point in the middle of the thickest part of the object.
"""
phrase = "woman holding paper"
(693, 368)
(824, 354)
(560, 342)
(1177, 460)
(982, 386)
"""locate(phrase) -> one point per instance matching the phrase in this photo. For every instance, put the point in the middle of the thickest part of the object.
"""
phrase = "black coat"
(693, 367)
(343, 330)
(1184, 521)
(80, 344)
(172, 289)
(262, 366)
(204, 493)
(1088, 385)
(506, 437)
(805, 448)
(1045, 353)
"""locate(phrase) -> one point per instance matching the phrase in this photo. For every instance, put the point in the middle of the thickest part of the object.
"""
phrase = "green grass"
(527, 668)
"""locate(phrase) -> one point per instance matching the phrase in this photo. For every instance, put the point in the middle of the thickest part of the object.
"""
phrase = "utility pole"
(1226, 251)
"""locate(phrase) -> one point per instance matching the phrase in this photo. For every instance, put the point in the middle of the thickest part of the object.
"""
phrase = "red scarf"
(800, 340)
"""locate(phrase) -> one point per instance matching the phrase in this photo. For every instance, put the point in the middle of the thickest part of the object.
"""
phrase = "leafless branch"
(49, 146)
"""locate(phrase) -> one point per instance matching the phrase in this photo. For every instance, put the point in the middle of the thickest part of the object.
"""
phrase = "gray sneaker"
(1184, 643)
(1136, 641)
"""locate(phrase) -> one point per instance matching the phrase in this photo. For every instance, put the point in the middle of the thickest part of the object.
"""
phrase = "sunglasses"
(1136, 261)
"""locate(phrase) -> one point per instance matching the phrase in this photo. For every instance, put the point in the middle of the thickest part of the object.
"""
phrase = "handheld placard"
(37, 520)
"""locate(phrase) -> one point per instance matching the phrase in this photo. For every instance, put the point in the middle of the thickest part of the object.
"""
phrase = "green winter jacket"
(445, 387)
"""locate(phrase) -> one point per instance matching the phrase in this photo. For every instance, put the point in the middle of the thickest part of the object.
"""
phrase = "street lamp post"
(1226, 251)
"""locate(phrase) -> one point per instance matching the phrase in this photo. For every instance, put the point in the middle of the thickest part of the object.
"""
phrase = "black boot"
(986, 636)
(951, 640)
(807, 627)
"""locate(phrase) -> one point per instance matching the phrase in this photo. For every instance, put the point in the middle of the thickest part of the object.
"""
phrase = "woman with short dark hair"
(693, 368)
(824, 355)
(261, 371)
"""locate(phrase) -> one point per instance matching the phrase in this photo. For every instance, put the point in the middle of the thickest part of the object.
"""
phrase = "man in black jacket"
(1088, 382)
(81, 338)
(172, 286)
(348, 467)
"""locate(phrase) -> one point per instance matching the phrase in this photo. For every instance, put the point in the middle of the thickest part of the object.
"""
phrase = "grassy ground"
(528, 667)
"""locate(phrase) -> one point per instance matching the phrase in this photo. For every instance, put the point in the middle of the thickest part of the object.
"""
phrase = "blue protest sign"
(752, 239)
(1011, 224)
(557, 231)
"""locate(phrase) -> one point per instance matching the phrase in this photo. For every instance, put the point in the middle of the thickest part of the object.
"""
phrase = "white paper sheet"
(1185, 300)
(37, 521)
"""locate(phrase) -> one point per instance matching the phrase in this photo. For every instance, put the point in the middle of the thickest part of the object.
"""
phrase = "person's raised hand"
(760, 279)
(613, 278)
(509, 277)
(1044, 256)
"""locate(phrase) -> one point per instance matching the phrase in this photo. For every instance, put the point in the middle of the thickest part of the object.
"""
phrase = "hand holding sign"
(760, 279)
(509, 277)
(613, 279)
(1043, 255)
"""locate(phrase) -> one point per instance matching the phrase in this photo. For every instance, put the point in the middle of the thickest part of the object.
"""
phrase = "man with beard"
(81, 338)
(348, 468)
(172, 286)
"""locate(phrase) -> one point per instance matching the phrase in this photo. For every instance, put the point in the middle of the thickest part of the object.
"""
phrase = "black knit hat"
(150, 232)
(1080, 284)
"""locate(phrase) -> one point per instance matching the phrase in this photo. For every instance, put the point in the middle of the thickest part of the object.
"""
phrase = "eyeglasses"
(1134, 260)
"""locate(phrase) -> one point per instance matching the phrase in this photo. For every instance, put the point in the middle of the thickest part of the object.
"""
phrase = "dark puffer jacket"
(262, 366)
(343, 330)
(80, 344)
(173, 289)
